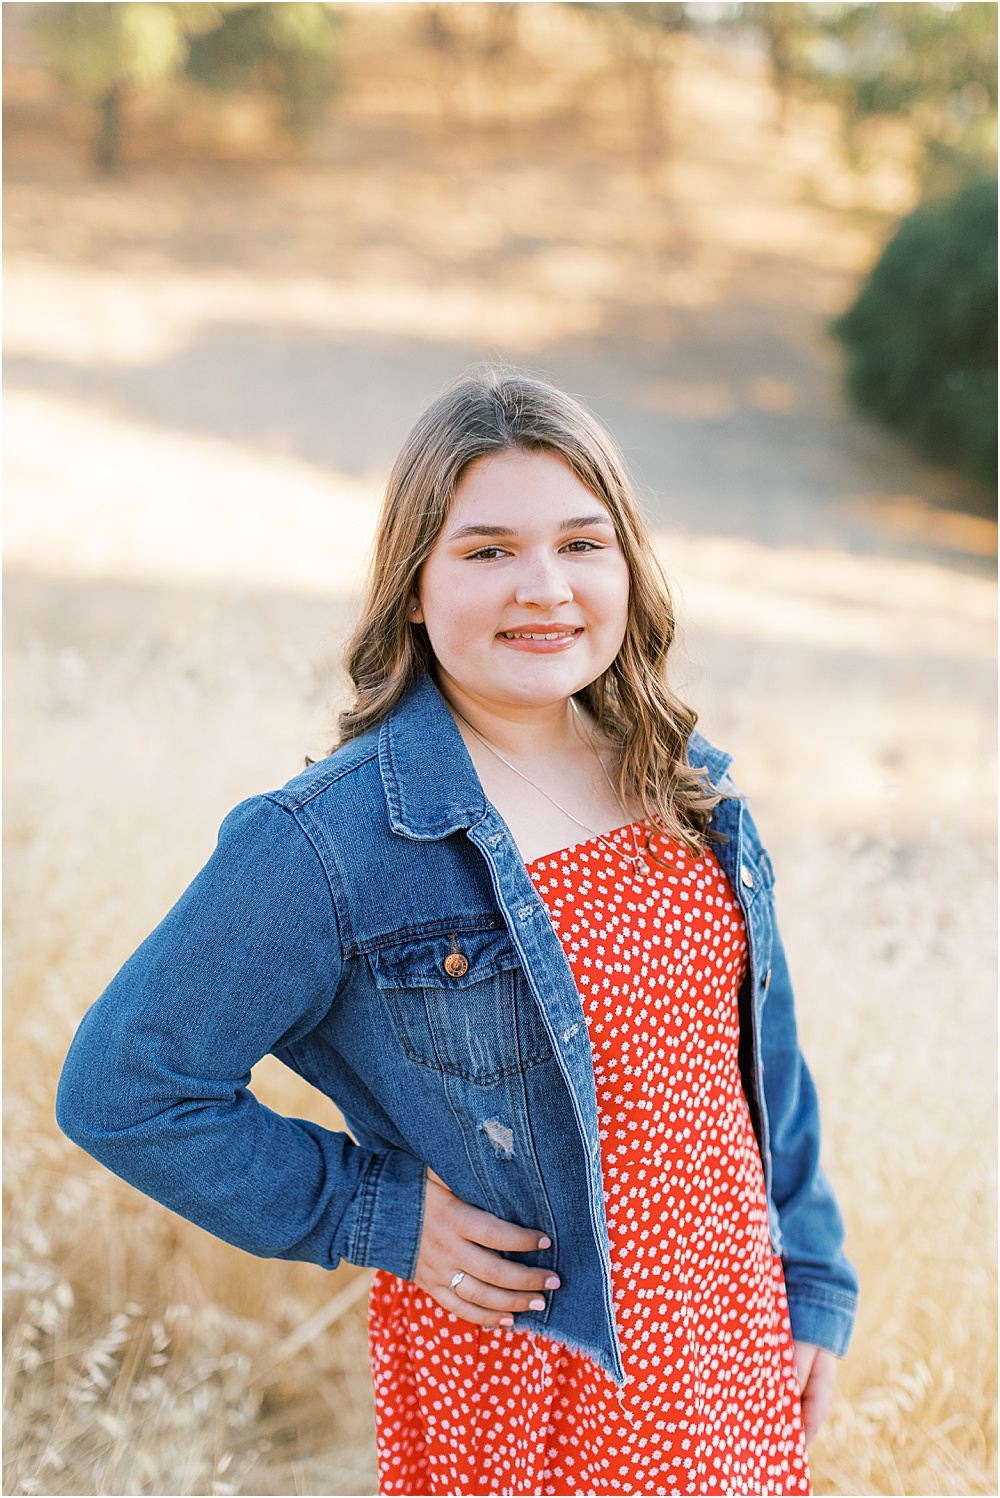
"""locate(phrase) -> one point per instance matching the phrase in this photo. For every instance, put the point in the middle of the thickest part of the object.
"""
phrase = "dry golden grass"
(136, 1343)
(893, 977)
(140, 1352)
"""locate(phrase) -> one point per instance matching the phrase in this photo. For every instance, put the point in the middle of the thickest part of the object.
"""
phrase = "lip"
(541, 639)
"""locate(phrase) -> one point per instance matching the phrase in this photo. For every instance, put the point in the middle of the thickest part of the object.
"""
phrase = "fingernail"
(506, 1321)
(545, 1243)
(552, 1283)
(536, 1305)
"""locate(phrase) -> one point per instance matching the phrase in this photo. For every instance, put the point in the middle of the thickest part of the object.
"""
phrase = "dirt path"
(310, 310)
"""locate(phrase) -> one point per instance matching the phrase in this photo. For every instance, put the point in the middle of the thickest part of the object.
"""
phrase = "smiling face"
(525, 593)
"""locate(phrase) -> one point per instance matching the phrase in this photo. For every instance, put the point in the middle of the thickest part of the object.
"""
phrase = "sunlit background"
(245, 245)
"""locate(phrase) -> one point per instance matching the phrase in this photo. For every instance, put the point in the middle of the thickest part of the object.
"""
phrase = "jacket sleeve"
(821, 1282)
(156, 1083)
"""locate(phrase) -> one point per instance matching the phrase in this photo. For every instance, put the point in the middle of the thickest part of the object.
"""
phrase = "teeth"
(523, 634)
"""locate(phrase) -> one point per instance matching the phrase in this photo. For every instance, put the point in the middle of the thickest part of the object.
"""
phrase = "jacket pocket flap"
(430, 961)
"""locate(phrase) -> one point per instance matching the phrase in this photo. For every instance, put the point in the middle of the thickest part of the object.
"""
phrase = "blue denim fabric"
(318, 931)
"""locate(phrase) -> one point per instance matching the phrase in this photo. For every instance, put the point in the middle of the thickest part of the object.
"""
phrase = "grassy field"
(144, 1357)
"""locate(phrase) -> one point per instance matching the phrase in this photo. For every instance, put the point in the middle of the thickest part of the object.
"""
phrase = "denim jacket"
(318, 931)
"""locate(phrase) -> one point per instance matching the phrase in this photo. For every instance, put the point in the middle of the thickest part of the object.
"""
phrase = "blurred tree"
(666, 16)
(284, 49)
(933, 65)
(101, 50)
(638, 35)
(922, 335)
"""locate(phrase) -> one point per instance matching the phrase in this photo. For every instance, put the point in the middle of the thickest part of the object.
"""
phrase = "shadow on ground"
(729, 416)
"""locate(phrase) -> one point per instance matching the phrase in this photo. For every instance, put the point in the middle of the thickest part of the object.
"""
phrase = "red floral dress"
(711, 1401)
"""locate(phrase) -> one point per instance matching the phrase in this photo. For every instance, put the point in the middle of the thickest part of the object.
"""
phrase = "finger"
(476, 1292)
(478, 1315)
(505, 1274)
(818, 1392)
(805, 1353)
(813, 1414)
(492, 1232)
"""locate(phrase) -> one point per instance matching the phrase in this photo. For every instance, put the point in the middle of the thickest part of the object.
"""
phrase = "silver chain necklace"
(637, 862)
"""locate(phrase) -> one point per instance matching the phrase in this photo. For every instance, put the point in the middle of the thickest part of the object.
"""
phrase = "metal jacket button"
(456, 964)
(746, 877)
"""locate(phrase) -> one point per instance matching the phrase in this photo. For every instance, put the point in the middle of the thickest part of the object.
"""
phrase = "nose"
(543, 581)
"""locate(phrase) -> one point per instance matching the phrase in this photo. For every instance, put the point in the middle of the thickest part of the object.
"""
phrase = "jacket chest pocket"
(459, 1004)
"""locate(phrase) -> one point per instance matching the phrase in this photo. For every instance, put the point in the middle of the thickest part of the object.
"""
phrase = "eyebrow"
(579, 522)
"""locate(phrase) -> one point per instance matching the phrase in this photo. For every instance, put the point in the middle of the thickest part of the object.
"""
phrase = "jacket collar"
(430, 784)
(704, 756)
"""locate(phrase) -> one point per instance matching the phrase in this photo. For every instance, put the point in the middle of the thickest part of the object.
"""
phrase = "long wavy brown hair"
(493, 410)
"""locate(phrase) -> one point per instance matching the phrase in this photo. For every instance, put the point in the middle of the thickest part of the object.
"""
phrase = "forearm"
(821, 1282)
(156, 1083)
(272, 1186)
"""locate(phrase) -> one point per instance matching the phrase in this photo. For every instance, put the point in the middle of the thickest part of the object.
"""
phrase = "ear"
(415, 614)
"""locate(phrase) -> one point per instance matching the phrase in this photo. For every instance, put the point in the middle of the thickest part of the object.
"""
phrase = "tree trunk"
(106, 149)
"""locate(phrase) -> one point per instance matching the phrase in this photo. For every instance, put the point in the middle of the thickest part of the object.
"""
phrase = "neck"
(517, 729)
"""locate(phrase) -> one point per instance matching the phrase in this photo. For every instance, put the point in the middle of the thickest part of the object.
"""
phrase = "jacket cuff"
(390, 1215)
(821, 1319)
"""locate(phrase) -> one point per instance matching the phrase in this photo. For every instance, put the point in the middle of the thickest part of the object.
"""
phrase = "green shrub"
(922, 336)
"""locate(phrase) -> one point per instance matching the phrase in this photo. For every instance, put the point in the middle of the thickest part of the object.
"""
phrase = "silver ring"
(457, 1279)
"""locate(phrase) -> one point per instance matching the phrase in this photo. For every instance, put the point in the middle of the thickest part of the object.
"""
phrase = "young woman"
(519, 926)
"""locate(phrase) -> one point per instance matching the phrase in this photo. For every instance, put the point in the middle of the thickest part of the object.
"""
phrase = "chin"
(533, 682)
(538, 690)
